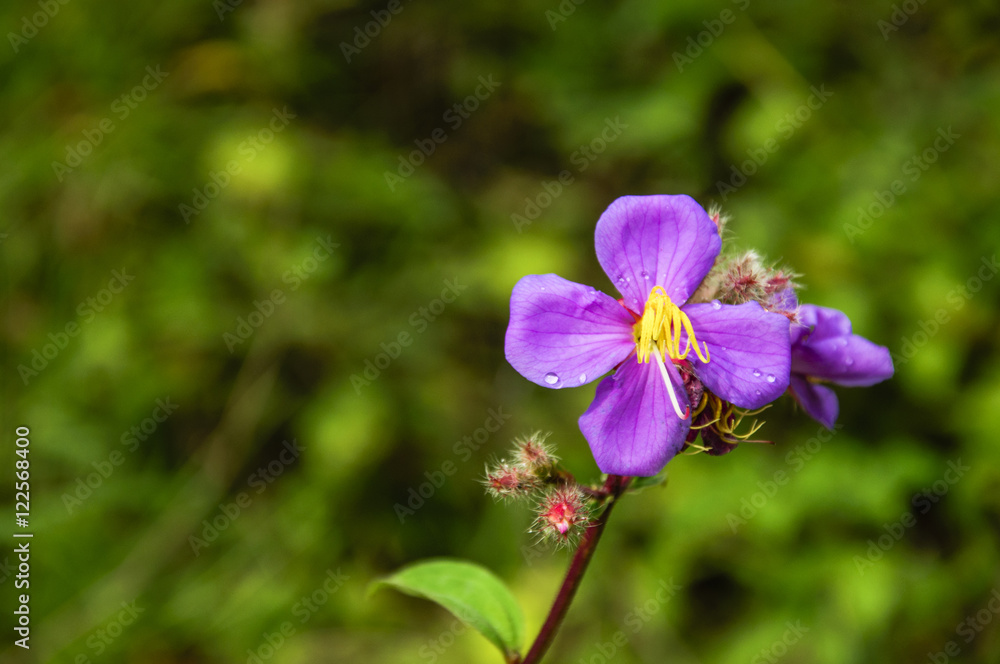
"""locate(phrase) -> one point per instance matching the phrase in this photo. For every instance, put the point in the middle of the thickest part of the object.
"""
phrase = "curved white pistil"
(670, 388)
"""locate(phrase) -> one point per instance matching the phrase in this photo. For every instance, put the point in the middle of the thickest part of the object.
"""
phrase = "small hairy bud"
(533, 456)
(563, 514)
(745, 278)
(718, 218)
(509, 481)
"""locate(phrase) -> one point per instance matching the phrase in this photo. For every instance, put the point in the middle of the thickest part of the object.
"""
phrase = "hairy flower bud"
(718, 218)
(563, 514)
(745, 278)
(507, 480)
(532, 455)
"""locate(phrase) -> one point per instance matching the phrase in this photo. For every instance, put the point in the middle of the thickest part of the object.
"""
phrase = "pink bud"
(533, 455)
(562, 514)
(510, 481)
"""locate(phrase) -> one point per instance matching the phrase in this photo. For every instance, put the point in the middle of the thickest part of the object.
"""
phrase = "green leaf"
(643, 482)
(471, 592)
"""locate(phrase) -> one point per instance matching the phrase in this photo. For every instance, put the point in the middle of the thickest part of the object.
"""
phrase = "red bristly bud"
(563, 514)
(718, 218)
(533, 456)
(510, 481)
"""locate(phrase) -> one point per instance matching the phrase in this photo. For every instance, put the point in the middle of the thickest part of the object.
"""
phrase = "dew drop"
(583, 378)
(716, 305)
(645, 275)
(756, 373)
(757, 392)
(770, 378)
(848, 361)
(551, 378)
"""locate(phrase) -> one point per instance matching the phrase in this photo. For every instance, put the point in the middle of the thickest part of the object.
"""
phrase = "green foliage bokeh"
(276, 438)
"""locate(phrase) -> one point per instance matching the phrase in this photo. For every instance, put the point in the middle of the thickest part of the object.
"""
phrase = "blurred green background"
(197, 218)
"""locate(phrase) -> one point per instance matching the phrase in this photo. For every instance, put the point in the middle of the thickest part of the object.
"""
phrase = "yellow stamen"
(731, 412)
(660, 329)
(726, 419)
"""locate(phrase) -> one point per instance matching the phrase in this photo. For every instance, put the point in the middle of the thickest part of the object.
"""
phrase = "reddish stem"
(613, 487)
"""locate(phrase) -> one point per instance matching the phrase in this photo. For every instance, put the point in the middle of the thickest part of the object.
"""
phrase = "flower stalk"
(614, 487)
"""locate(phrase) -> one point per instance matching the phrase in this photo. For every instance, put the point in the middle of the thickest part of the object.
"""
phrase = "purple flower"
(656, 250)
(824, 349)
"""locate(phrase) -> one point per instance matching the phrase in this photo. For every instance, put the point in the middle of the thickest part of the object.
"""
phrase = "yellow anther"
(660, 328)
(728, 418)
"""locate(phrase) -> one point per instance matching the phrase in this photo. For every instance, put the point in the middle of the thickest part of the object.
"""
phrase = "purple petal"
(824, 323)
(851, 361)
(830, 352)
(819, 401)
(646, 241)
(784, 300)
(631, 426)
(749, 352)
(564, 334)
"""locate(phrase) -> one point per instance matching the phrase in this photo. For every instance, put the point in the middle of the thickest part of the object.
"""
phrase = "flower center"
(660, 329)
(658, 336)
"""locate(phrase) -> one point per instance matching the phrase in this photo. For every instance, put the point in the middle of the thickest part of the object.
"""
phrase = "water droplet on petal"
(645, 275)
(848, 361)
(756, 373)
(716, 305)
(770, 378)
(551, 378)
(757, 392)
(583, 378)
(628, 279)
